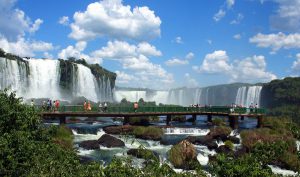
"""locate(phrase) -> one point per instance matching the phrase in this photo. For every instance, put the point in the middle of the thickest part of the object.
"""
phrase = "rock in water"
(184, 155)
(89, 144)
(110, 141)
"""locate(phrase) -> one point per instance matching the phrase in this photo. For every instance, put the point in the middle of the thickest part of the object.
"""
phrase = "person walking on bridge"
(135, 106)
(84, 106)
(89, 107)
(105, 107)
(100, 107)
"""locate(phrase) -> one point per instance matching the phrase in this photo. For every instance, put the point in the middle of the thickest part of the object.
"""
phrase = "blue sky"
(161, 44)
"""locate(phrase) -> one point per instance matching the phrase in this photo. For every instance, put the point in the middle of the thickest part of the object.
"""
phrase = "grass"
(63, 136)
(148, 132)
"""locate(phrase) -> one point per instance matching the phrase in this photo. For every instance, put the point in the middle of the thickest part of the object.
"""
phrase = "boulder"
(220, 133)
(110, 141)
(183, 155)
(203, 140)
(223, 149)
(234, 139)
(89, 144)
(143, 154)
(118, 129)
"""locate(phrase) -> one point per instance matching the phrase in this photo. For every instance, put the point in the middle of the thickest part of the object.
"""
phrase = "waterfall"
(86, 84)
(13, 75)
(197, 96)
(44, 79)
(248, 95)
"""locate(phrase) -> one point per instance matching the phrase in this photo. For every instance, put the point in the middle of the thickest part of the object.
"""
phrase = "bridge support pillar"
(234, 122)
(259, 121)
(242, 117)
(169, 117)
(62, 120)
(126, 120)
(209, 118)
(194, 118)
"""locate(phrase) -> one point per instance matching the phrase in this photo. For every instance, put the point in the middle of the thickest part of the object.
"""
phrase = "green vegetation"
(183, 155)
(229, 144)
(152, 133)
(28, 148)
(218, 122)
(282, 97)
(220, 131)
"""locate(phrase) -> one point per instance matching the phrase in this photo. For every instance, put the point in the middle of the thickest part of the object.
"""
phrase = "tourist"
(56, 105)
(32, 103)
(135, 106)
(89, 108)
(84, 106)
(100, 107)
(48, 105)
(105, 106)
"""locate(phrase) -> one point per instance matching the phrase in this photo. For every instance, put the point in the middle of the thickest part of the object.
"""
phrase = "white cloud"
(296, 64)
(219, 15)
(251, 69)
(64, 20)
(135, 59)
(238, 19)
(147, 49)
(77, 52)
(48, 55)
(24, 48)
(124, 78)
(287, 17)
(190, 82)
(237, 36)
(216, 62)
(229, 3)
(14, 23)
(178, 40)
(276, 41)
(176, 62)
(190, 55)
(113, 19)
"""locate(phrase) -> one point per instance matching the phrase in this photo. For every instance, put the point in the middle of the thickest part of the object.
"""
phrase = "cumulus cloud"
(238, 19)
(237, 36)
(296, 64)
(251, 69)
(229, 3)
(135, 59)
(216, 62)
(124, 78)
(287, 16)
(24, 48)
(77, 52)
(14, 23)
(113, 19)
(64, 20)
(219, 15)
(176, 62)
(276, 41)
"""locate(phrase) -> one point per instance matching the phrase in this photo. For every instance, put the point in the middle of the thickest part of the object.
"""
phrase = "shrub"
(291, 161)
(229, 144)
(152, 133)
(218, 122)
(220, 131)
(183, 155)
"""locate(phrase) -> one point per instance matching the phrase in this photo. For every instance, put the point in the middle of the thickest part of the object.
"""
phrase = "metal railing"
(157, 109)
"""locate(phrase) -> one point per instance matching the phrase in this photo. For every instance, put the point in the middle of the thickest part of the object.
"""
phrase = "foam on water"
(202, 159)
(186, 131)
(83, 137)
(281, 171)
(84, 152)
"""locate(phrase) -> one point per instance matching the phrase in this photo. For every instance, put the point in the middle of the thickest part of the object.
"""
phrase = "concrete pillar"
(126, 120)
(242, 117)
(209, 118)
(62, 120)
(234, 122)
(194, 118)
(169, 117)
(259, 121)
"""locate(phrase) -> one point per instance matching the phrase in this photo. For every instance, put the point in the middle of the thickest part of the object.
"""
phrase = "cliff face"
(61, 79)
(281, 93)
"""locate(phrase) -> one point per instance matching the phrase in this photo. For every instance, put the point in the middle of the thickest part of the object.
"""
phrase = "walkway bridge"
(233, 114)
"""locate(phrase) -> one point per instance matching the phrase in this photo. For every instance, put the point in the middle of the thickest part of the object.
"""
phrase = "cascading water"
(13, 75)
(248, 95)
(44, 79)
(86, 84)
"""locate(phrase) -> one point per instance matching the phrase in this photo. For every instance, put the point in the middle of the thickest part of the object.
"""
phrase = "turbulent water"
(41, 78)
(224, 95)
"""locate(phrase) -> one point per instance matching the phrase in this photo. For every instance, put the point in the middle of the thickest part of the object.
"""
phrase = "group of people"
(50, 105)
(87, 106)
(103, 108)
